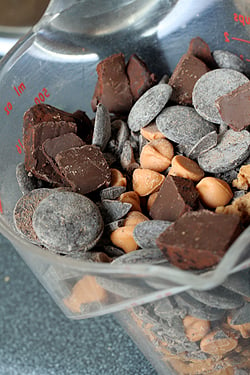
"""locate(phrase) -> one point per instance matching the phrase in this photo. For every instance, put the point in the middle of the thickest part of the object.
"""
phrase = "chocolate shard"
(199, 239)
(187, 72)
(52, 146)
(112, 88)
(34, 136)
(140, 78)
(176, 196)
(84, 168)
(234, 107)
(200, 49)
(85, 126)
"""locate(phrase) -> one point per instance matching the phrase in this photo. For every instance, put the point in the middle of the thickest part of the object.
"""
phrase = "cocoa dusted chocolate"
(176, 196)
(199, 239)
(112, 88)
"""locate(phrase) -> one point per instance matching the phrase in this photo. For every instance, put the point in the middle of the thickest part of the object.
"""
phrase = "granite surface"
(37, 339)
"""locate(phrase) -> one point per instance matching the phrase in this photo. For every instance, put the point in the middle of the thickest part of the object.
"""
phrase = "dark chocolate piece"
(84, 168)
(239, 282)
(52, 146)
(112, 88)
(234, 107)
(200, 49)
(242, 315)
(199, 239)
(34, 136)
(140, 78)
(176, 196)
(187, 72)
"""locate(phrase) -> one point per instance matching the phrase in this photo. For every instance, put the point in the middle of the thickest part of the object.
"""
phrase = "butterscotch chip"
(123, 238)
(214, 192)
(151, 200)
(146, 181)
(195, 328)
(244, 329)
(151, 132)
(157, 155)
(134, 217)
(117, 178)
(243, 179)
(84, 291)
(133, 198)
(186, 168)
(218, 343)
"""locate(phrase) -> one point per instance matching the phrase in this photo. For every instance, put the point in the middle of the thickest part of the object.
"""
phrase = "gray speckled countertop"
(37, 339)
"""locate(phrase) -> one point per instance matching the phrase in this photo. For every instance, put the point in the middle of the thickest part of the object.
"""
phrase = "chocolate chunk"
(176, 196)
(230, 152)
(234, 107)
(140, 78)
(183, 125)
(66, 222)
(200, 49)
(199, 239)
(84, 168)
(84, 126)
(188, 70)
(148, 106)
(112, 88)
(52, 146)
(211, 86)
(34, 136)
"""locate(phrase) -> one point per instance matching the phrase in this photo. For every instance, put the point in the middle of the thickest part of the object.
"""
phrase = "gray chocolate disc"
(211, 86)
(66, 222)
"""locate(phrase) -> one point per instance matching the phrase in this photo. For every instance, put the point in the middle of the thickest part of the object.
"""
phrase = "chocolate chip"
(241, 315)
(66, 222)
(144, 256)
(112, 192)
(145, 233)
(210, 87)
(111, 227)
(25, 181)
(228, 60)
(148, 106)
(219, 297)
(114, 210)
(198, 309)
(183, 125)
(239, 283)
(24, 210)
(230, 152)
(204, 144)
(102, 127)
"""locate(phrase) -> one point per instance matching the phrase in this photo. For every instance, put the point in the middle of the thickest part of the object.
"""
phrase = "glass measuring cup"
(55, 63)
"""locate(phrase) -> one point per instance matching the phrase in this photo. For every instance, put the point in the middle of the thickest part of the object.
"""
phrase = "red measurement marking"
(248, 60)
(1, 208)
(240, 40)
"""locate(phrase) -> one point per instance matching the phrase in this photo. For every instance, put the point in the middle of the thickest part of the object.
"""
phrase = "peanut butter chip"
(133, 198)
(157, 155)
(117, 178)
(244, 329)
(186, 168)
(218, 343)
(195, 328)
(151, 132)
(85, 290)
(146, 181)
(214, 192)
